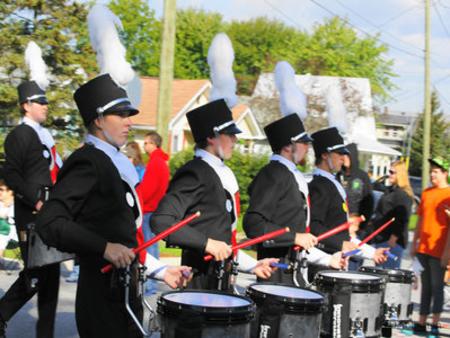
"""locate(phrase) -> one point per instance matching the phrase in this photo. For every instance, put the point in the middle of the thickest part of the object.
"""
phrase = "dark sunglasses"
(392, 172)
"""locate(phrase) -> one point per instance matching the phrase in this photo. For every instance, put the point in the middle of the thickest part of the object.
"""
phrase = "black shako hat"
(210, 119)
(328, 140)
(285, 131)
(30, 91)
(102, 96)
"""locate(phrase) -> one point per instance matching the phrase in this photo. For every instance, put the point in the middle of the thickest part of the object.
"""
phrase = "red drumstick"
(158, 237)
(253, 241)
(376, 232)
(334, 231)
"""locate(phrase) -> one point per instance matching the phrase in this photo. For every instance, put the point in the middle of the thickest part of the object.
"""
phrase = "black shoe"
(420, 329)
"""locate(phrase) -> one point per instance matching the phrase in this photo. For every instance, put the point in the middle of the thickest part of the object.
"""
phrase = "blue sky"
(400, 23)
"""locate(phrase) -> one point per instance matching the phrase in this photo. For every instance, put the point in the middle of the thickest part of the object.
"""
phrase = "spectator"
(432, 244)
(152, 189)
(7, 228)
(133, 152)
(395, 202)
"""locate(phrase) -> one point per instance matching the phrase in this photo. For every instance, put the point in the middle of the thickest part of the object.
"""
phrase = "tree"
(60, 30)
(335, 49)
(439, 143)
(259, 44)
(194, 33)
(141, 35)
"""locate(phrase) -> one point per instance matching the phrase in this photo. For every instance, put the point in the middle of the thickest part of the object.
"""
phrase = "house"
(357, 99)
(188, 95)
(395, 128)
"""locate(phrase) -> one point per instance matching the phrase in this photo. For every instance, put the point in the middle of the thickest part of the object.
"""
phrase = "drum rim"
(324, 278)
(391, 274)
(287, 300)
(236, 310)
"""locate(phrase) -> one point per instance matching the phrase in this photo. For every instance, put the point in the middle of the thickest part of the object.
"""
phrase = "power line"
(395, 17)
(440, 18)
(283, 14)
(370, 35)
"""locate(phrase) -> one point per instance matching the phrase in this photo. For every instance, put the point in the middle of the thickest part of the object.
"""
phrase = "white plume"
(37, 66)
(337, 114)
(103, 25)
(220, 60)
(292, 99)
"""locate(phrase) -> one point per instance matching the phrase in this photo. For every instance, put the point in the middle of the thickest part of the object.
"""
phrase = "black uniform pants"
(100, 304)
(45, 282)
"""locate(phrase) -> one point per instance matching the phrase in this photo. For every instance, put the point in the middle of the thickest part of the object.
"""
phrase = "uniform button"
(130, 199)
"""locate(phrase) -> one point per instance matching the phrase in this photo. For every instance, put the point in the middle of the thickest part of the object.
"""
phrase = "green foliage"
(60, 30)
(141, 35)
(194, 33)
(439, 139)
(244, 166)
(335, 49)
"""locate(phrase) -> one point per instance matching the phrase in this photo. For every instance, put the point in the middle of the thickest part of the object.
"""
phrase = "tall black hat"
(328, 140)
(102, 96)
(29, 91)
(210, 119)
(286, 130)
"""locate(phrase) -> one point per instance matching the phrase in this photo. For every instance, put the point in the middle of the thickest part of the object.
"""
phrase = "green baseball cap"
(440, 162)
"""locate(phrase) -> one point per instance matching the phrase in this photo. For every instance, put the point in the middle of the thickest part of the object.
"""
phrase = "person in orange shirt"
(431, 244)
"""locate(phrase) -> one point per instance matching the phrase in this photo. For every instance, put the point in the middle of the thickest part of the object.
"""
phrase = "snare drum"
(285, 311)
(354, 303)
(204, 314)
(397, 296)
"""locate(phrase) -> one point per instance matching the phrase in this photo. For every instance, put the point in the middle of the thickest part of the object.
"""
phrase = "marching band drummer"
(207, 185)
(279, 197)
(30, 170)
(94, 212)
(328, 198)
(279, 194)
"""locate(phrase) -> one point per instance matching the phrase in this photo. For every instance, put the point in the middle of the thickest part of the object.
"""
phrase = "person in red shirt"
(152, 189)
(431, 244)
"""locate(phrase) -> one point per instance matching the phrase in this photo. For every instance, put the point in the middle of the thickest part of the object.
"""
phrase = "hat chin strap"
(108, 137)
(219, 148)
(330, 165)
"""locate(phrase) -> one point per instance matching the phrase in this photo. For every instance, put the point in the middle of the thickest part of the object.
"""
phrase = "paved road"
(22, 325)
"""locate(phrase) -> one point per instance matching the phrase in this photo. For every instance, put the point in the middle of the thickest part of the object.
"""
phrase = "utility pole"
(427, 112)
(166, 72)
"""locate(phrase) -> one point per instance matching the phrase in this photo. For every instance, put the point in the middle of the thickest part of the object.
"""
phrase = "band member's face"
(437, 175)
(116, 128)
(227, 143)
(392, 176)
(36, 111)
(337, 160)
(300, 151)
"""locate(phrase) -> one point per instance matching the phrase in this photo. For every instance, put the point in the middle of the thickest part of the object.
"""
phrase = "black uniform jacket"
(88, 206)
(275, 203)
(395, 202)
(194, 187)
(328, 210)
(26, 172)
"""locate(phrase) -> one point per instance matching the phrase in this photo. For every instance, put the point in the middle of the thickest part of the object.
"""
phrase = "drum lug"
(357, 328)
(392, 316)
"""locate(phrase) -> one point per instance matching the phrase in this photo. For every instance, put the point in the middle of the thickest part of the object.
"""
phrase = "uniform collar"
(289, 164)
(208, 157)
(121, 162)
(32, 123)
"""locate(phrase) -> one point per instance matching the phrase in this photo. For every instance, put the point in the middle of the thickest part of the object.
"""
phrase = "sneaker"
(73, 277)
(434, 332)
(420, 329)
